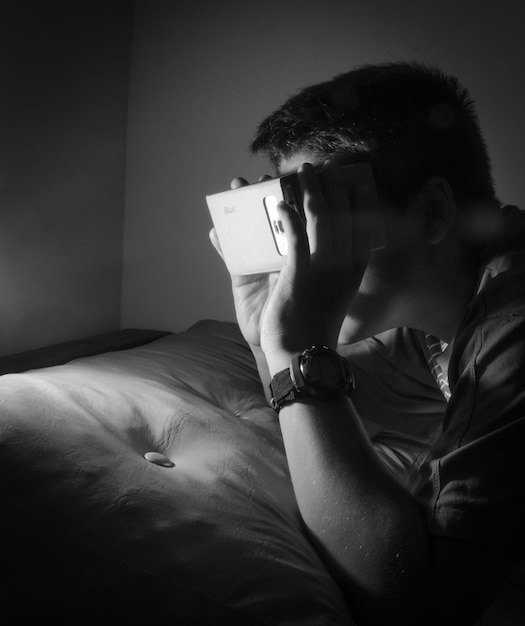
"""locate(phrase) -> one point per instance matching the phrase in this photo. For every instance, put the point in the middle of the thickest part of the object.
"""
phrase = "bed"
(143, 477)
(207, 533)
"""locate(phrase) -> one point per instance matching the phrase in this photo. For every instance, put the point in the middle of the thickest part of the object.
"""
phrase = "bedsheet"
(92, 531)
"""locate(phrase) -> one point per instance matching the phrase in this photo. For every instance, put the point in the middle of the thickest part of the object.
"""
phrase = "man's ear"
(439, 208)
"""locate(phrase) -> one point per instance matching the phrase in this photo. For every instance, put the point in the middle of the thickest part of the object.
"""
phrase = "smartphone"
(250, 232)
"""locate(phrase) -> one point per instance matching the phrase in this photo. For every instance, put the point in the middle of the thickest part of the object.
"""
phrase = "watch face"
(325, 370)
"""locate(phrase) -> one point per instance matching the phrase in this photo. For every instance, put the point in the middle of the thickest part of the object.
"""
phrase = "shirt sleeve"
(473, 484)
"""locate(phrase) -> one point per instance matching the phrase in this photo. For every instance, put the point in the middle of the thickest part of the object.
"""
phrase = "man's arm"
(366, 527)
(262, 368)
(371, 533)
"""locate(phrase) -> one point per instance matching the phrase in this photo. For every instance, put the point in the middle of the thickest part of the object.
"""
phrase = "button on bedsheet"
(158, 459)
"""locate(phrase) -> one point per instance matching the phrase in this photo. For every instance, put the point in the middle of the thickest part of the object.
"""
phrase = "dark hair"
(411, 121)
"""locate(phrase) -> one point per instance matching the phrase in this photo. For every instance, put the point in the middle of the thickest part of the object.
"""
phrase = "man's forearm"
(365, 525)
(262, 368)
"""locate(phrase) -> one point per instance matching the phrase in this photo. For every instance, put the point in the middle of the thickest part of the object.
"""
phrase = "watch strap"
(282, 388)
(290, 383)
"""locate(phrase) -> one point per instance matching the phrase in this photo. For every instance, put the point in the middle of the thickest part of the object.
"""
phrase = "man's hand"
(327, 256)
(250, 293)
(307, 301)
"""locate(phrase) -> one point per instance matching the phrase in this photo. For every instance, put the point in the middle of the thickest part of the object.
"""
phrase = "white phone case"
(250, 233)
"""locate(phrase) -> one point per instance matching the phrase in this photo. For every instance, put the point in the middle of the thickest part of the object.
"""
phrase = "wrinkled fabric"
(471, 484)
(92, 530)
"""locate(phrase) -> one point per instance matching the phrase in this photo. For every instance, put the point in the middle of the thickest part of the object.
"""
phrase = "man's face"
(386, 295)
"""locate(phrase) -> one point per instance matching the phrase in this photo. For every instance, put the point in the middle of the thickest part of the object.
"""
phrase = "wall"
(64, 70)
(204, 74)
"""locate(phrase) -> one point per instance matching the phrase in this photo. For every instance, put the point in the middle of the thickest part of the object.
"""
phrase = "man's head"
(418, 128)
(411, 121)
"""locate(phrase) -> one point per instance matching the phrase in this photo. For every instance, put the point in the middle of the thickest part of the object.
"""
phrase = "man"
(444, 302)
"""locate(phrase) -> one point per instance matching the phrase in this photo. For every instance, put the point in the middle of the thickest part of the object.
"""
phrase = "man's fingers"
(242, 182)
(361, 223)
(298, 248)
(215, 242)
(315, 210)
(340, 211)
(238, 182)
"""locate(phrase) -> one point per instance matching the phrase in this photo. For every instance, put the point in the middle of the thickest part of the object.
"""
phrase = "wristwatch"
(318, 371)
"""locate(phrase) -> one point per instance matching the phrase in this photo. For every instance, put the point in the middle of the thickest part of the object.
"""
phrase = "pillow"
(93, 531)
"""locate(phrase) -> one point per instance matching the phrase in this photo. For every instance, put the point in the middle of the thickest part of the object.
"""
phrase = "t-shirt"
(450, 420)
(471, 482)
